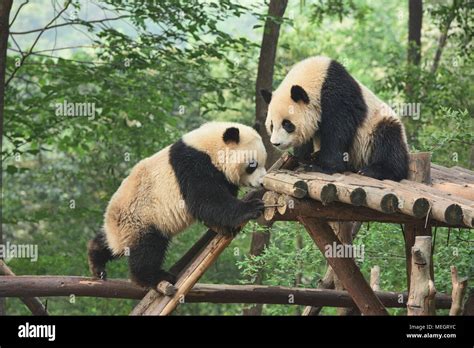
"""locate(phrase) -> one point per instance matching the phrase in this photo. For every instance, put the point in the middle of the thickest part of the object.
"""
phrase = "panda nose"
(276, 144)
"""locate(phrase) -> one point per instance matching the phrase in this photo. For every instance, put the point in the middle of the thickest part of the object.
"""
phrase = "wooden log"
(345, 268)
(270, 199)
(444, 206)
(419, 167)
(216, 293)
(34, 304)
(327, 192)
(458, 293)
(350, 188)
(450, 174)
(422, 289)
(50, 286)
(166, 304)
(284, 183)
(336, 211)
(375, 278)
(384, 196)
(463, 170)
(465, 191)
(410, 202)
(29, 286)
(324, 192)
(166, 288)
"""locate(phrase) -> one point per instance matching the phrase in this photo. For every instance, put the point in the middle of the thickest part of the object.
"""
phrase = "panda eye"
(288, 126)
(252, 166)
(271, 127)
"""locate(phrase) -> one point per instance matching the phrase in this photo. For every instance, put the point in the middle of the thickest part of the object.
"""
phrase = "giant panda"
(320, 106)
(196, 178)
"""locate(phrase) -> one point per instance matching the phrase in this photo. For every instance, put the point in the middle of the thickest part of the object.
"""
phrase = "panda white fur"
(319, 106)
(196, 178)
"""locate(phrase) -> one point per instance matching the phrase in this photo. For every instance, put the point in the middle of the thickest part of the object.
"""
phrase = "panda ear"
(298, 93)
(266, 95)
(231, 135)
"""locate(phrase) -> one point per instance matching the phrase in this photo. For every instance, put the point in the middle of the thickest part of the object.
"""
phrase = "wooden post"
(419, 167)
(33, 303)
(345, 268)
(459, 291)
(419, 170)
(422, 289)
(375, 278)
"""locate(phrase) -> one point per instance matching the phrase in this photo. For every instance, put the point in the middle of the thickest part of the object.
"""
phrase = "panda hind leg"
(98, 255)
(146, 259)
(389, 159)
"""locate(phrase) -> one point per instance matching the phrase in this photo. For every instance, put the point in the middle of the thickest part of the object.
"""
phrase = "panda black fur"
(197, 178)
(320, 106)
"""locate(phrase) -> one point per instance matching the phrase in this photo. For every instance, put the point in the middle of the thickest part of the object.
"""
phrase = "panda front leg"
(226, 216)
(98, 254)
(146, 259)
(327, 163)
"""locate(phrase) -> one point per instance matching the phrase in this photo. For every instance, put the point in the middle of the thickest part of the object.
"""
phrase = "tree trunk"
(443, 37)
(266, 64)
(5, 7)
(415, 16)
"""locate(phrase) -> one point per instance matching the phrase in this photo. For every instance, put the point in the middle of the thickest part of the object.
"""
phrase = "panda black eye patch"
(288, 126)
(251, 167)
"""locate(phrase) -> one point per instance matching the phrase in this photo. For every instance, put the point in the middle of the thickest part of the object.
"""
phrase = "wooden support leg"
(345, 268)
(411, 231)
(422, 289)
(459, 290)
(346, 232)
(33, 303)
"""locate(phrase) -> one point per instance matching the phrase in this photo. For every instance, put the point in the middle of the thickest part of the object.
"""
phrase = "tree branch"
(23, 58)
(17, 12)
(75, 22)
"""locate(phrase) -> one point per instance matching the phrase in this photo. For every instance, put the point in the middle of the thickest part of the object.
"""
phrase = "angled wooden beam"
(345, 268)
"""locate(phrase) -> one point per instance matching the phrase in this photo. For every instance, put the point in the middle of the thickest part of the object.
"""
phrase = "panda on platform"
(319, 106)
(196, 178)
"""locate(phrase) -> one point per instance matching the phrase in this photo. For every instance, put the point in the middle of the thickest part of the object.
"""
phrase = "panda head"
(235, 149)
(290, 118)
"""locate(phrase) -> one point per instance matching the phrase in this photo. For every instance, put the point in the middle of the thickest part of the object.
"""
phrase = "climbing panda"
(319, 106)
(196, 178)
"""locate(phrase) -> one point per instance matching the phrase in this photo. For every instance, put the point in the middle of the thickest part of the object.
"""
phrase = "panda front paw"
(254, 209)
